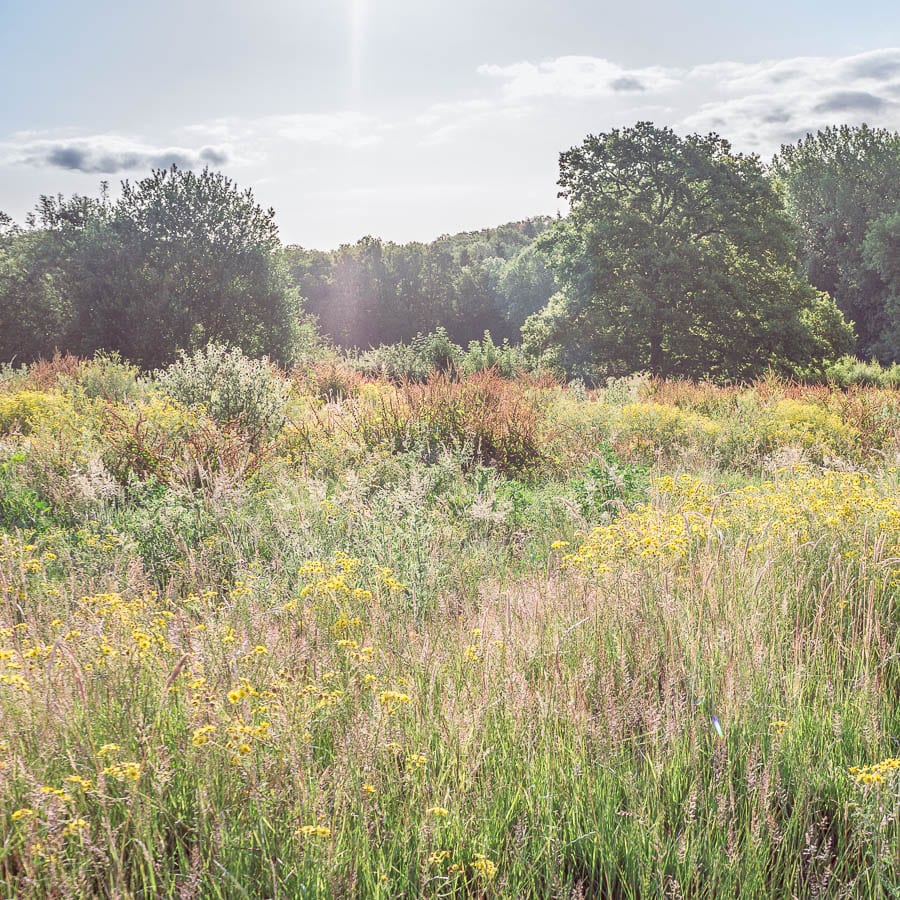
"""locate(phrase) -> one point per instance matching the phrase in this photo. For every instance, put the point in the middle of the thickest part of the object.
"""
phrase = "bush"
(231, 388)
(608, 486)
(643, 429)
(794, 423)
(426, 353)
(848, 370)
(329, 380)
(493, 419)
(108, 377)
(506, 360)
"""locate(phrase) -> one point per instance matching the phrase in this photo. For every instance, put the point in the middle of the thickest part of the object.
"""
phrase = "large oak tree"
(678, 258)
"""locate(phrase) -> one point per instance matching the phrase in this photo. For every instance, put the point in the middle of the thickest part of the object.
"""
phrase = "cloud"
(343, 129)
(850, 101)
(757, 105)
(444, 121)
(108, 154)
(878, 65)
(111, 154)
(760, 106)
(627, 83)
(576, 78)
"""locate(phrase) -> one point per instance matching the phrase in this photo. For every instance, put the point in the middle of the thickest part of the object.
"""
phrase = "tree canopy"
(838, 184)
(180, 259)
(374, 292)
(677, 257)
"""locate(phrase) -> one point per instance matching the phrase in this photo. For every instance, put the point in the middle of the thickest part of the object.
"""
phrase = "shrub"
(506, 360)
(426, 353)
(642, 429)
(108, 377)
(608, 486)
(329, 380)
(848, 370)
(493, 419)
(231, 387)
(45, 374)
(793, 423)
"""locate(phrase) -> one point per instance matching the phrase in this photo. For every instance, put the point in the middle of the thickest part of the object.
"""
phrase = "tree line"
(375, 292)
(677, 256)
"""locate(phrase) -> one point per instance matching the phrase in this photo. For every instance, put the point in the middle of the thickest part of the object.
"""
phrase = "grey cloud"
(214, 156)
(66, 158)
(627, 83)
(782, 76)
(850, 101)
(777, 117)
(879, 65)
(108, 155)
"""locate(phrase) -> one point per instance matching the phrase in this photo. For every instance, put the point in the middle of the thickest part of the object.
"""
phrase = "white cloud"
(577, 78)
(444, 121)
(758, 106)
(207, 144)
(342, 128)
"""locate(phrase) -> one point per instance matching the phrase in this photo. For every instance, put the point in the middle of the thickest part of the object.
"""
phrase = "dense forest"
(375, 292)
(678, 256)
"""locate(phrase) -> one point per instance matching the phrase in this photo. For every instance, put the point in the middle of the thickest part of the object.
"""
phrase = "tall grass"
(377, 668)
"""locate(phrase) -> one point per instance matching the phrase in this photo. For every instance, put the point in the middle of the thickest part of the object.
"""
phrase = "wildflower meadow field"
(324, 634)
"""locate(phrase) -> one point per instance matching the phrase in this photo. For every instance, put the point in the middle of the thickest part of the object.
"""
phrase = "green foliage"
(415, 361)
(35, 310)
(409, 678)
(506, 360)
(839, 184)
(881, 252)
(375, 292)
(21, 507)
(180, 259)
(849, 370)
(607, 486)
(229, 386)
(678, 258)
(377, 671)
(436, 352)
(108, 377)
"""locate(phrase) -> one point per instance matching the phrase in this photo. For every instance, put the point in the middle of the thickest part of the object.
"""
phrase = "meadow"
(324, 634)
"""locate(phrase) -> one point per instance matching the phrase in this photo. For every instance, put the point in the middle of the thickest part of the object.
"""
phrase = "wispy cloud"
(347, 129)
(576, 78)
(441, 122)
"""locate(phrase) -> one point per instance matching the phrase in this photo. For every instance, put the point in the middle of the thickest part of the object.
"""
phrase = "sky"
(407, 119)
